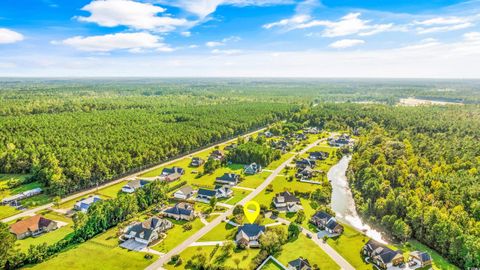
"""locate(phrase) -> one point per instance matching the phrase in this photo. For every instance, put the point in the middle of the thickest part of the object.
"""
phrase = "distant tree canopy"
(252, 152)
(415, 172)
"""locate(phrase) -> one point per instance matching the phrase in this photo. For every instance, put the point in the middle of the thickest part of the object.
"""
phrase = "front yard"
(177, 234)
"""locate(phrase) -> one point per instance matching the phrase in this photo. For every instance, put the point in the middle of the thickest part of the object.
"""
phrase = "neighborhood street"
(32, 211)
(195, 237)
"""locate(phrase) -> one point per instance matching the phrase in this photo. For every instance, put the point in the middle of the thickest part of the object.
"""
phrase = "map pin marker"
(251, 216)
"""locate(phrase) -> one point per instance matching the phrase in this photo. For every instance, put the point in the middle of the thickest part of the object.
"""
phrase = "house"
(223, 191)
(217, 155)
(181, 210)
(299, 264)
(324, 221)
(249, 234)
(421, 259)
(341, 140)
(301, 136)
(253, 168)
(231, 146)
(33, 226)
(172, 174)
(184, 193)
(318, 155)
(305, 162)
(147, 231)
(196, 162)
(133, 185)
(311, 130)
(305, 173)
(333, 227)
(14, 200)
(84, 204)
(219, 192)
(228, 178)
(280, 145)
(268, 134)
(381, 255)
(285, 201)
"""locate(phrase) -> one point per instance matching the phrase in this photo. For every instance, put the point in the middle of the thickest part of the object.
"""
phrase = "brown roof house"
(33, 226)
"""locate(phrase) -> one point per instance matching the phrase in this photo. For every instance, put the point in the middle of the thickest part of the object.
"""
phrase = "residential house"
(305, 173)
(248, 235)
(300, 137)
(15, 199)
(299, 264)
(183, 210)
(133, 185)
(341, 140)
(196, 162)
(318, 155)
(311, 130)
(217, 155)
(285, 201)
(268, 134)
(305, 162)
(84, 204)
(147, 231)
(172, 174)
(324, 221)
(420, 258)
(280, 145)
(228, 178)
(223, 191)
(219, 192)
(32, 226)
(381, 255)
(230, 146)
(184, 193)
(253, 168)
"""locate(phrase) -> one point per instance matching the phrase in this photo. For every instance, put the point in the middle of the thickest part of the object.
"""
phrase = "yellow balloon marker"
(251, 215)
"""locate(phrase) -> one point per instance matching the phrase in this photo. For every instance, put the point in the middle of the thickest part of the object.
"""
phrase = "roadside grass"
(238, 195)
(253, 181)
(349, 246)
(7, 211)
(438, 261)
(276, 163)
(51, 237)
(222, 231)
(244, 257)
(306, 248)
(112, 191)
(177, 234)
(101, 252)
(271, 265)
(69, 204)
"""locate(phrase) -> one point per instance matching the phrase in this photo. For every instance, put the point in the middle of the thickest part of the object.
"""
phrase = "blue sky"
(250, 38)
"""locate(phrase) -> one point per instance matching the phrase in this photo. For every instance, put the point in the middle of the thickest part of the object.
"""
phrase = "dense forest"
(415, 172)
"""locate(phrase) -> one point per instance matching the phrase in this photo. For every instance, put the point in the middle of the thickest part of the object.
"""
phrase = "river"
(342, 200)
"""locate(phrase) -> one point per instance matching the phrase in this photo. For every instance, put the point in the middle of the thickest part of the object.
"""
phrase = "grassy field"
(306, 248)
(349, 245)
(253, 181)
(7, 211)
(112, 191)
(238, 195)
(177, 234)
(101, 252)
(276, 163)
(51, 237)
(271, 265)
(439, 262)
(244, 256)
(71, 203)
(222, 231)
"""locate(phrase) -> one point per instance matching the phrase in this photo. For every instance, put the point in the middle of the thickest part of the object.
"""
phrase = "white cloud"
(8, 36)
(227, 52)
(186, 33)
(446, 28)
(134, 42)
(112, 13)
(350, 24)
(203, 8)
(346, 43)
(443, 24)
(223, 42)
(214, 44)
(472, 36)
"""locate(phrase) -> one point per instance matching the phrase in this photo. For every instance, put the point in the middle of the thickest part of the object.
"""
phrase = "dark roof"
(180, 209)
(387, 255)
(229, 177)
(206, 192)
(145, 229)
(372, 245)
(300, 264)
(172, 170)
(422, 256)
(322, 215)
(288, 197)
(251, 229)
(137, 183)
(331, 224)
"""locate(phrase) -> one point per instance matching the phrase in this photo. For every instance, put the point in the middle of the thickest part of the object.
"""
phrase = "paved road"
(328, 249)
(32, 212)
(195, 237)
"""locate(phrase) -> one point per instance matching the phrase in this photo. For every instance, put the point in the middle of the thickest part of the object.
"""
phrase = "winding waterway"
(342, 200)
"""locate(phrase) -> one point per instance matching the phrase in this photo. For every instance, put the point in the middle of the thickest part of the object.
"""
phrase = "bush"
(148, 256)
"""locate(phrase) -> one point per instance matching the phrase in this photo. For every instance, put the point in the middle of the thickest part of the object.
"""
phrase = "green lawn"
(51, 237)
(245, 257)
(69, 204)
(101, 252)
(7, 211)
(349, 245)
(306, 248)
(112, 191)
(177, 235)
(271, 265)
(238, 195)
(438, 261)
(222, 231)
(276, 163)
(253, 181)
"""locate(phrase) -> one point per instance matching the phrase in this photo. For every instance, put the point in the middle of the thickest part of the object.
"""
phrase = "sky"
(240, 38)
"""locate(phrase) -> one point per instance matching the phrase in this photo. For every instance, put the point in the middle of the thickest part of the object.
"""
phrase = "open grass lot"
(276, 163)
(306, 248)
(238, 195)
(245, 257)
(271, 265)
(438, 261)
(51, 237)
(112, 191)
(253, 181)
(222, 231)
(177, 234)
(101, 252)
(7, 211)
(349, 246)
